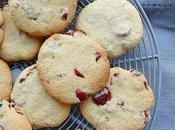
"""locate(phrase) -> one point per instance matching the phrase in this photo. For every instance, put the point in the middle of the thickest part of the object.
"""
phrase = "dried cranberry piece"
(98, 56)
(22, 80)
(116, 74)
(145, 85)
(77, 73)
(146, 114)
(11, 104)
(65, 16)
(81, 95)
(102, 97)
(19, 112)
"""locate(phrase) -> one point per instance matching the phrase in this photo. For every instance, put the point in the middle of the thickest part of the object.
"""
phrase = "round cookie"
(115, 24)
(41, 109)
(42, 17)
(1, 30)
(72, 66)
(124, 104)
(17, 45)
(5, 81)
(12, 118)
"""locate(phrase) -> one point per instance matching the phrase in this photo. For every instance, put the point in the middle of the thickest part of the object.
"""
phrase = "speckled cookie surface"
(72, 66)
(12, 118)
(123, 105)
(116, 24)
(17, 45)
(42, 17)
(5, 81)
(1, 30)
(40, 108)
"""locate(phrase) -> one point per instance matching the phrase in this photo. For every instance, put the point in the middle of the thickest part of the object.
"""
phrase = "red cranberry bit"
(19, 112)
(77, 73)
(11, 104)
(102, 97)
(65, 16)
(81, 95)
(116, 74)
(98, 56)
(22, 80)
(145, 85)
(146, 114)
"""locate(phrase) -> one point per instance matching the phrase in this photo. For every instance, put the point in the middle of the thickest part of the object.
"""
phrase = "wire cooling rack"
(144, 58)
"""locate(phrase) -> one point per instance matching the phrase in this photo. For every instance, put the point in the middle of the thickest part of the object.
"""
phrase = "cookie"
(5, 81)
(1, 30)
(41, 109)
(12, 118)
(17, 45)
(72, 66)
(42, 18)
(124, 104)
(115, 24)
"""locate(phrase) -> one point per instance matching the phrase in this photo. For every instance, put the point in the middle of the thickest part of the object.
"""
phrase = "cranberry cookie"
(124, 104)
(42, 17)
(41, 109)
(1, 30)
(115, 24)
(5, 81)
(17, 45)
(72, 66)
(12, 118)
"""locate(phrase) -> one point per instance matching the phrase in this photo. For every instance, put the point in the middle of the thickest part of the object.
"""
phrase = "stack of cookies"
(72, 67)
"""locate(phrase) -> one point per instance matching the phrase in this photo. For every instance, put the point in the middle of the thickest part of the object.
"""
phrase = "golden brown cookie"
(17, 45)
(42, 18)
(124, 104)
(12, 118)
(115, 24)
(5, 81)
(72, 66)
(40, 108)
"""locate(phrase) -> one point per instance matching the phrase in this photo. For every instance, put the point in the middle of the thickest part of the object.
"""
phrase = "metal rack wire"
(144, 58)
